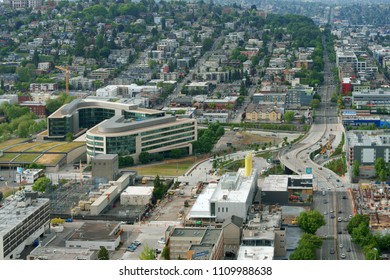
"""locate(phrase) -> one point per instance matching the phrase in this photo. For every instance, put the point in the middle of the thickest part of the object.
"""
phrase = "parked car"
(161, 240)
(136, 243)
(132, 247)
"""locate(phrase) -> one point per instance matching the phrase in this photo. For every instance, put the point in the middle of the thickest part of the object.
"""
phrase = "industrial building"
(232, 195)
(135, 195)
(23, 219)
(287, 189)
(92, 235)
(195, 243)
(365, 147)
(105, 168)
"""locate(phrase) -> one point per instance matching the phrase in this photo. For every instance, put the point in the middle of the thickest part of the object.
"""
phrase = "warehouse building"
(135, 195)
(93, 235)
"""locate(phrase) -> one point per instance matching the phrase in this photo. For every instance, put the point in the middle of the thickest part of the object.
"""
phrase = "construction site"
(328, 146)
(373, 199)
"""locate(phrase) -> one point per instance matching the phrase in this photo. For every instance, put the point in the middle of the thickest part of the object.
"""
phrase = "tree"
(165, 253)
(144, 157)
(303, 253)
(159, 188)
(126, 161)
(355, 169)
(147, 253)
(69, 137)
(207, 44)
(310, 241)
(382, 175)
(289, 116)
(380, 165)
(315, 103)
(103, 254)
(310, 221)
(22, 131)
(41, 185)
(356, 221)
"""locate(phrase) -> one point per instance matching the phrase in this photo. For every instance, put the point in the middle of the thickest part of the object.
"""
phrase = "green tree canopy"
(147, 253)
(289, 116)
(165, 253)
(303, 253)
(310, 221)
(103, 254)
(315, 103)
(380, 165)
(310, 241)
(355, 169)
(41, 184)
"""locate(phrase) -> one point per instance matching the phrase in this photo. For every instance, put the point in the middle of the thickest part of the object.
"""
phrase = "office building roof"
(368, 138)
(16, 209)
(90, 231)
(264, 253)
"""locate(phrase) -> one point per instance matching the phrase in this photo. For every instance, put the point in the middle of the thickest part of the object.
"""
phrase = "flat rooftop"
(368, 138)
(91, 231)
(233, 187)
(280, 183)
(117, 126)
(62, 253)
(138, 190)
(264, 253)
(12, 214)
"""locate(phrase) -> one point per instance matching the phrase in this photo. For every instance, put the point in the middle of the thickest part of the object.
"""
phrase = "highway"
(331, 197)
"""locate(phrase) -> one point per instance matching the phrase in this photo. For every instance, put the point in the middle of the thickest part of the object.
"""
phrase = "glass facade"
(121, 145)
(59, 127)
(169, 128)
(163, 143)
(89, 117)
(142, 116)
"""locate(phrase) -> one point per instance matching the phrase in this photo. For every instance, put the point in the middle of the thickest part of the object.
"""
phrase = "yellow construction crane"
(66, 71)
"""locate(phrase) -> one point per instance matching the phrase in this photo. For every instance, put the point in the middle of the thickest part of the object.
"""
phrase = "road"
(330, 190)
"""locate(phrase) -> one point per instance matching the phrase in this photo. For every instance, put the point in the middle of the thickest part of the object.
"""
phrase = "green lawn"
(21, 147)
(26, 158)
(67, 147)
(8, 157)
(164, 169)
(43, 146)
(11, 142)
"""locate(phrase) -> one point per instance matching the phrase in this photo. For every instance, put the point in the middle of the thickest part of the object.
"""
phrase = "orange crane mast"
(66, 71)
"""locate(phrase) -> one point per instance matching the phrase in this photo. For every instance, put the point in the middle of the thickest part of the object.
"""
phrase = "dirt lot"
(6, 190)
(241, 140)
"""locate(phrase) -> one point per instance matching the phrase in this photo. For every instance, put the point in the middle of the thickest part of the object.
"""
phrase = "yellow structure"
(248, 164)
(66, 71)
